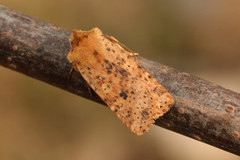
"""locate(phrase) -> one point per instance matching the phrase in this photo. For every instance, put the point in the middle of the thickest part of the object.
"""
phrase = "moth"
(113, 73)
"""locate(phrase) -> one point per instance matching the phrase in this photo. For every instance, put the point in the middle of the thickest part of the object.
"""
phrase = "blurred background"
(41, 122)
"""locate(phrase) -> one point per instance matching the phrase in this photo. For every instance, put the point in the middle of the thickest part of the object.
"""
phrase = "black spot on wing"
(123, 72)
(95, 53)
(123, 95)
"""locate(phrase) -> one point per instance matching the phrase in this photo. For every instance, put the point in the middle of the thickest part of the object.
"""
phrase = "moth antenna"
(122, 45)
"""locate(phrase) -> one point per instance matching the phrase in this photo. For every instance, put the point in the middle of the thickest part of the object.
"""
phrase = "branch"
(203, 110)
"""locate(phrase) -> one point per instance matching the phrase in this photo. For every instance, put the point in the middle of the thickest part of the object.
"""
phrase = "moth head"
(79, 36)
(81, 40)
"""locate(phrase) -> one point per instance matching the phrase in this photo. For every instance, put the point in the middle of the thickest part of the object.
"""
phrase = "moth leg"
(89, 91)
(71, 70)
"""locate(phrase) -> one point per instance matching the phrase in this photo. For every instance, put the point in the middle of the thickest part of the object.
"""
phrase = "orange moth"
(113, 73)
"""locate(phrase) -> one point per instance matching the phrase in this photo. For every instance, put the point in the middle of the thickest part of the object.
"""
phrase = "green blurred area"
(40, 122)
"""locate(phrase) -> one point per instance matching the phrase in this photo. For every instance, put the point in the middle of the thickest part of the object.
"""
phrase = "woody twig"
(202, 110)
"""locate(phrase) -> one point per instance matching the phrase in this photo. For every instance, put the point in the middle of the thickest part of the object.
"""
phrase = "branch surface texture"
(203, 110)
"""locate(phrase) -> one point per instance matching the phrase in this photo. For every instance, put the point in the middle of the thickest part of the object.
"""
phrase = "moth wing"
(127, 88)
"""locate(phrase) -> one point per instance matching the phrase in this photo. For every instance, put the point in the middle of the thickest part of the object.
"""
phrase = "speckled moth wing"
(126, 87)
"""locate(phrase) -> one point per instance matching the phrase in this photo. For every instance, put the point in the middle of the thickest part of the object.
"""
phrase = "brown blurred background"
(41, 122)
